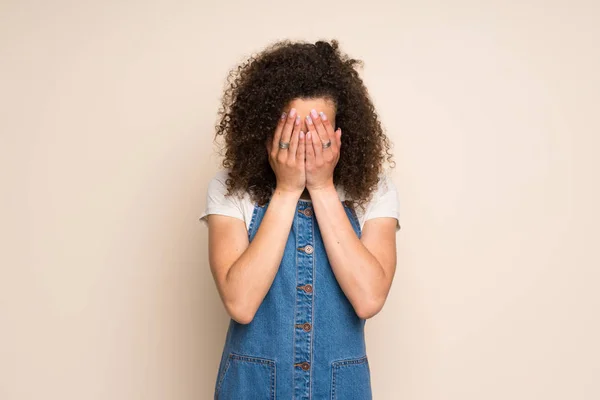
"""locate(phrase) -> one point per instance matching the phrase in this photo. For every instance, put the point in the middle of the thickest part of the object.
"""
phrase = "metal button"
(308, 212)
(308, 288)
(305, 366)
(305, 326)
(308, 249)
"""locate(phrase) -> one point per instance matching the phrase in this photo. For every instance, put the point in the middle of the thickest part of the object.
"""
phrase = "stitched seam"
(312, 313)
(256, 360)
(294, 316)
(273, 381)
(252, 220)
(336, 365)
(350, 361)
(225, 369)
(333, 371)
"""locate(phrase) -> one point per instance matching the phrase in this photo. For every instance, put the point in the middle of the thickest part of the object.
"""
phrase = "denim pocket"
(351, 379)
(247, 377)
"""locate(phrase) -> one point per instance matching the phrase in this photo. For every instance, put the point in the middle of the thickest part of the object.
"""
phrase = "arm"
(363, 267)
(243, 271)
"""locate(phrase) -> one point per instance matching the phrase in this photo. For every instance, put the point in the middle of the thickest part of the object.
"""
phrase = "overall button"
(305, 366)
(308, 212)
(305, 326)
(307, 288)
(308, 249)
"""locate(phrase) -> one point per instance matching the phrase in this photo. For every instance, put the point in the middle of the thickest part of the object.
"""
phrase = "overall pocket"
(246, 377)
(351, 379)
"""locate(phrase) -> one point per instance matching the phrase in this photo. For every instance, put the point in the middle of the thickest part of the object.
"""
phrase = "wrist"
(289, 193)
(328, 187)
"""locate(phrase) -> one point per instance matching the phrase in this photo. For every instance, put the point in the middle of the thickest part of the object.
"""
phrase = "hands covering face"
(304, 160)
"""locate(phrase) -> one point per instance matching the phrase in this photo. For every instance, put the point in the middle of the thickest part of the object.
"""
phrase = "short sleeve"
(385, 202)
(218, 203)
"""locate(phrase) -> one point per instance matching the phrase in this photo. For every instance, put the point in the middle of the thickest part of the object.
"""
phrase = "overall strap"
(259, 212)
(257, 215)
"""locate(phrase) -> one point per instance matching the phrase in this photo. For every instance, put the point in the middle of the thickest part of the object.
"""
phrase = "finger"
(274, 142)
(294, 138)
(310, 153)
(301, 152)
(319, 127)
(338, 136)
(329, 128)
(317, 145)
(291, 121)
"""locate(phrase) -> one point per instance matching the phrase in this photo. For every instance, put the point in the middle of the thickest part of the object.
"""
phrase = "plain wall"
(107, 116)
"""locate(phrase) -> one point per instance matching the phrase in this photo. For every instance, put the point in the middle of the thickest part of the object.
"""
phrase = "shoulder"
(385, 184)
(219, 181)
(217, 186)
(219, 201)
(384, 201)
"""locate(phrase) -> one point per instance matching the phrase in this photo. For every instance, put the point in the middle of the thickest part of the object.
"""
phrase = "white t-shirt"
(384, 202)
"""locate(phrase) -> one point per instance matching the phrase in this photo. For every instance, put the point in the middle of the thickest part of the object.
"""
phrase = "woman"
(302, 225)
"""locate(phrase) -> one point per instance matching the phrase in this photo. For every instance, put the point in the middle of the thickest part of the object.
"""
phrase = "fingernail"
(297, 120)
(292, 112)
(323, 116)
(308, 135)
(313, 113)
(301, 135)
(283, 115)
(309, 119)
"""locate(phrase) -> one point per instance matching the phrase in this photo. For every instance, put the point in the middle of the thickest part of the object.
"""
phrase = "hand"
(320, 162)
(288, 164)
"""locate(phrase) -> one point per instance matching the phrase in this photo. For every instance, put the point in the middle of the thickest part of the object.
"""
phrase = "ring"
(327, 144)
(283, 145)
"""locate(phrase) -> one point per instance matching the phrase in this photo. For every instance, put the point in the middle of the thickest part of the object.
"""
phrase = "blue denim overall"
(305, 341)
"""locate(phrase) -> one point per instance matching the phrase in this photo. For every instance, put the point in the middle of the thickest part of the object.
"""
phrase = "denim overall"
(305, 341)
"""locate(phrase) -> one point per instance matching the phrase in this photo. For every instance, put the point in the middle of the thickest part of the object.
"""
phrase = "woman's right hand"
(288, 164)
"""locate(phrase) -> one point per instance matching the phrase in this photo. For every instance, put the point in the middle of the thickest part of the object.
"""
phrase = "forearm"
(249, 278)
(358, 272)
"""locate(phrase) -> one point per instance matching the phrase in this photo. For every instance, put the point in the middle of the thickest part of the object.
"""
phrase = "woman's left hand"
(322, 151)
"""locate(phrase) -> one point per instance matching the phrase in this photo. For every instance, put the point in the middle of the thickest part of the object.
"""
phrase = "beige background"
(106, 119)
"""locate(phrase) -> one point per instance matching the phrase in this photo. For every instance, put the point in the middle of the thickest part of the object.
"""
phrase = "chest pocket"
(246, 377)
(351, 379)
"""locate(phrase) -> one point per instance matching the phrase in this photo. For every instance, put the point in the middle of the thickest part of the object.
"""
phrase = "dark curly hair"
(258, 91)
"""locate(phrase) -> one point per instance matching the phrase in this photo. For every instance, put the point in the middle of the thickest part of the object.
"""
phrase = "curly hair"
(259, 89)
